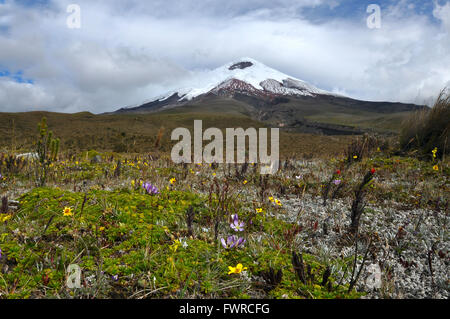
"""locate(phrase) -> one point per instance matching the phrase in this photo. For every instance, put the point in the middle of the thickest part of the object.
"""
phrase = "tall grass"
(428, 128)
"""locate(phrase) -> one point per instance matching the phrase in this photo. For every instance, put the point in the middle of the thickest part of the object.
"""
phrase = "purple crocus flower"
(150, 189)
(236, 224)
(232, 241)
(337, 182)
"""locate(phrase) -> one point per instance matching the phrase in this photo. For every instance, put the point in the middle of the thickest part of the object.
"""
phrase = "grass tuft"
(427, 129)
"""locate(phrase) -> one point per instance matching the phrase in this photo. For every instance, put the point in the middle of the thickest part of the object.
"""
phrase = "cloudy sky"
(129, 51)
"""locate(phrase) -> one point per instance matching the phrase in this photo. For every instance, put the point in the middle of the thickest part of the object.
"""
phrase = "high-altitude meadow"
(94, 204)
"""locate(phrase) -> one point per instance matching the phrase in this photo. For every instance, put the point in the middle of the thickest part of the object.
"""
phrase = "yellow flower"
(355, 156)
(434, 152)
(101, 228)
(271, 199)
(245, 182)
(259, 210)
(67, 211)
(133, 183)
(214, 174)
(175, 246)
(5, 218)
(436, 168)
(236, 270)
(277, 201)
(172, 181)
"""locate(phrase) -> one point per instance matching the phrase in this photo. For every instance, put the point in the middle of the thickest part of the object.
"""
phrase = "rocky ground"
(401, 246)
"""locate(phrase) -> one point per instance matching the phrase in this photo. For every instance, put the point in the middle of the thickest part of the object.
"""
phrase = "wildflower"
(259, 210)
(213, 174)
(338, 172)
(236, 224)
(434, 151)
(232, 241)
(115, 277)
(436, 168)
(67, 211)
(175, 246)
(133, 183)
(299, 177)
(5, 218)
(172, 181)
(278, 202)
(101, 228)
(355, 156)
(372, 171)
(150, 189)
(271, 199)
(337, 182)
(0, 253)
(245, 182)
(184, 243)
(236, 270)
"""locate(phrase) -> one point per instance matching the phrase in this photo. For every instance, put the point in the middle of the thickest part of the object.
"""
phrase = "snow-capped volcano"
(250, 88)
(246, 76)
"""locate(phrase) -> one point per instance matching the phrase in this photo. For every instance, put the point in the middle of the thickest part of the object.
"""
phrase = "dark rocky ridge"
(240, 65)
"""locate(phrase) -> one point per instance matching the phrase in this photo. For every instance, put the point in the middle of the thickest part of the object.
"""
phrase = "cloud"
(128, 52)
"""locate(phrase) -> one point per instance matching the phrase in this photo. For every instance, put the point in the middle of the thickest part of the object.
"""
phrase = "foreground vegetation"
(173, 239)
(354, 218)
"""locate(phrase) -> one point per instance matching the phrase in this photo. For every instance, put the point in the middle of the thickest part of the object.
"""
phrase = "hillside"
(137, 133)
(248, 87)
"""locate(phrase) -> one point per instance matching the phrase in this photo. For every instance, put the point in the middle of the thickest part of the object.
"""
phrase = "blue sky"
(128, 52)
(356, 9)
(345, 9)
(17, 76)
(32, 3)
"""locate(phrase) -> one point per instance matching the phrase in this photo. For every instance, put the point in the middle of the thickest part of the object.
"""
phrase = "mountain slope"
(250, 88)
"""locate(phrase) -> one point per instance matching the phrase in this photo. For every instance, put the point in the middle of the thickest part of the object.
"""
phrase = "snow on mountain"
(244, 75)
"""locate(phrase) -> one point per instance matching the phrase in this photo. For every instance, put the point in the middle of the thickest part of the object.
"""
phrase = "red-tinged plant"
(359, 203)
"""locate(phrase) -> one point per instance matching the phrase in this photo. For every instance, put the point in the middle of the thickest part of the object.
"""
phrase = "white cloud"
(126, 53)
